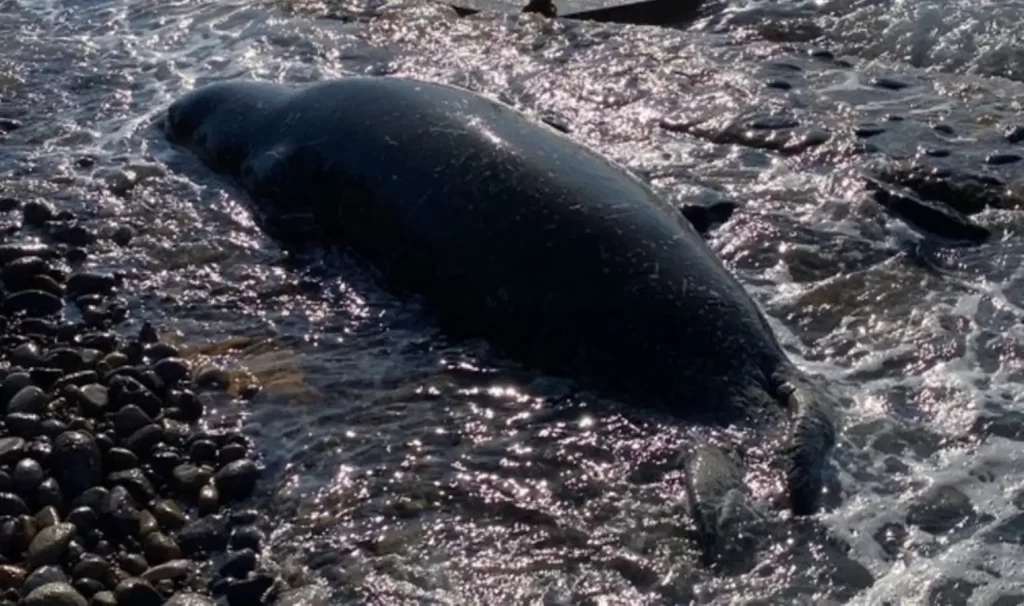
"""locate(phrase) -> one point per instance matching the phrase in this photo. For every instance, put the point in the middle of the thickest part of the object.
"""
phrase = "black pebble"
(77, 463)
(37, 213)
(249, 591)
(239, 564)
(1001, 159)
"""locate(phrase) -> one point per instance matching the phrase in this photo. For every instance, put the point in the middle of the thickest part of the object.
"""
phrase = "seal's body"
(513, 232)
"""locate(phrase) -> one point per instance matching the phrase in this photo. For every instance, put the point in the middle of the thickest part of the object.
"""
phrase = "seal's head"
(221, 122)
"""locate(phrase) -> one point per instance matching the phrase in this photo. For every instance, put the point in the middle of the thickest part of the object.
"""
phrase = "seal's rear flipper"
(704, 217)
(721, 510)
(812, 436)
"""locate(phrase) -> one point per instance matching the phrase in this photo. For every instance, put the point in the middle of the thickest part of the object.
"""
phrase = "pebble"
(54, 594)
(102, 469)
(50, 545)
(250, 591)
(1001, 159)
(137, 592)
(1014, 134)
(42, 576)
(940, 509)
(237, 479)
(890, 83)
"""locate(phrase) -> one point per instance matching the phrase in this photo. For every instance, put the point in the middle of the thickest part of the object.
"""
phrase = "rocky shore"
(111, 491)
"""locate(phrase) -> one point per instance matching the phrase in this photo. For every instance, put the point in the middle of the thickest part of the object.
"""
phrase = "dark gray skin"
(513, 232)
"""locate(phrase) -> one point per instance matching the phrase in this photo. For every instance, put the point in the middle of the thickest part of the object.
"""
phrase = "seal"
(510, 230)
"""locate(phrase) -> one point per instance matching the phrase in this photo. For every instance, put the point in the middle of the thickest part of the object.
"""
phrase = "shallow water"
(406, 470)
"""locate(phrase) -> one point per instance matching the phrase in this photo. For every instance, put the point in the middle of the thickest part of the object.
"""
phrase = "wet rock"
(12, 505)
(1014, 134)
(171, 370)
(37, 213)
(923, 215)
(134, 564)
(239, 564)
(890, 83)
(11, 450)
(135, 481)
(171, 570)
(42, 576)
(774, 122)
(137, 592)
(77, 463)
(249, 591)
(209, 499)
(27, 475)
(1001, 159)
(205, 535)
(92, 567)
(54, 594)
(121, 512)
(304, 596)
(189, 478)
(50, 545)
(125, 390)
(119, 459)
(246, 537)
(160, 548)
(940, 509)
(237, 480)
(951, 592)
(104, 598)
(30, 400)
(86, 283)
(32, 303)
(937, 152)
(1009, 531)
(866, 131)
(130, 419)
(168, 514)
(23, 424)
(189, 599)
(93, 399)
(73, 234)
(944, 129)
(142, 440)
(8, 125)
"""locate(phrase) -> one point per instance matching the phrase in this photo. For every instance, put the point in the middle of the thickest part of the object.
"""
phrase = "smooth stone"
(50, 545)
(1014, 134)
(239, 564)
(76, 462)
(203, 451)
(134, 564)
(91, 566)
(119, 459)
(189, 599)
(246, 537)
(890, 83)
(37, 213)
(160, 548)
(11, 450)
(87, 587)
(94, 399)
(189, 478)
(31, 400)
(104, 598)
(205, 535)
(24, 424)
(47, 516)
(11, 576)
(144, 439)
(237, 479)
(15, 382)
(26, 355)
(137, 592)
(779, 84)
(774, 122)
(27, 475)
(136, 482)
(1002, 159)
(33, 303)
(54, 594)
(12, 505)
(42, 576)
(84, 518)
(130, 419)
(249, 591)
(121, 512)
(172, 370)
(940, 509)
(147, 523)
(169, 514)
(87, 283)
(169, 570)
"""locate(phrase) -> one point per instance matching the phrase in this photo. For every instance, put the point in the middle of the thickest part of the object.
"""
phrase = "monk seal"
(510, 230)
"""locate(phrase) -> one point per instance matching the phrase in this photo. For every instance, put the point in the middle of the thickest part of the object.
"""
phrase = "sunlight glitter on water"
(434, 472)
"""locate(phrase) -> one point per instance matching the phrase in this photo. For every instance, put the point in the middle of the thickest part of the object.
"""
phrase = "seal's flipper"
(812, 436)
(704, 217)
(720, 507)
